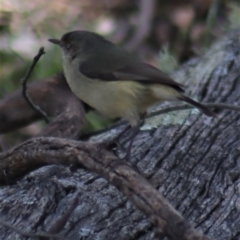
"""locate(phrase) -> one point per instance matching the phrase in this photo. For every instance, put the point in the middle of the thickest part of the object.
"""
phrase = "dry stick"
(211, 20)
(144, 26)
(185, 107)
(32, 235)
(44, 151)
(61, 222)
(24, 86)
(68, 112)
(164, 111)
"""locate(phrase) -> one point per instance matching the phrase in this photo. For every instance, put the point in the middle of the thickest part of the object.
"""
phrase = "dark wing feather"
(139, 71)
(146, 73)
(94, 71)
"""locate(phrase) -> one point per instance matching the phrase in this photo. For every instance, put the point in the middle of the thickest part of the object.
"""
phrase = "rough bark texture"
(194, 161)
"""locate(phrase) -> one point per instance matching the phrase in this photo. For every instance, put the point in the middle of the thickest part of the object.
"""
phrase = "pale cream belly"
(121, 99)
(115, 99)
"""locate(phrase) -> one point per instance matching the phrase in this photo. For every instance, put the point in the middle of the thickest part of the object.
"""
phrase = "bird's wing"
(139, 71)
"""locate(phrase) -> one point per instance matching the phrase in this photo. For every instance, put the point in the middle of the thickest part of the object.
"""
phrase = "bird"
(114, 81)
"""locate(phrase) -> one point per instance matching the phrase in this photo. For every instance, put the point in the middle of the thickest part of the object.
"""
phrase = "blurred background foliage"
(163, 33)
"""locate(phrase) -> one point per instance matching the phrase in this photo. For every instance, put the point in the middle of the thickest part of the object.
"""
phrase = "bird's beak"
(55, 41)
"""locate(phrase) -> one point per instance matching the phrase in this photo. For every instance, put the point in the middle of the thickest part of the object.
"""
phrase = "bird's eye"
(68, 46)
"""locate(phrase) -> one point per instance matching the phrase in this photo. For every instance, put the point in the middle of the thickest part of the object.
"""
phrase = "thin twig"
(185, 107)
(146, 15)
(211, 19)
(164, 111)
(32, 235)
(24, 86)
(61, 222)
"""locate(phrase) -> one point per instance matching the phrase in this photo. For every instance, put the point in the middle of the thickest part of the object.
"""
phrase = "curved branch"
(42, 151)
(217, 106)
(24, 86)
(55, 98)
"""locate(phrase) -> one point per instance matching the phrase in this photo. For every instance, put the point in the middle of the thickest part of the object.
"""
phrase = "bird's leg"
(135, 131)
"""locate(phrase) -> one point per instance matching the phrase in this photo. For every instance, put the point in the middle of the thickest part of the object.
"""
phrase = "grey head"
(78, 42)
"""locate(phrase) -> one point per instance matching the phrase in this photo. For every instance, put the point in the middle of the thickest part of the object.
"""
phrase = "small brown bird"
(115, 82)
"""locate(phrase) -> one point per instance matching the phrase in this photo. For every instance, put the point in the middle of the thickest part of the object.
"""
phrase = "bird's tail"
(198, 105)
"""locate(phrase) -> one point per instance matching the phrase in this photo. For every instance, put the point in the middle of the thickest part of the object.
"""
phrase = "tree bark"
(192, 160)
